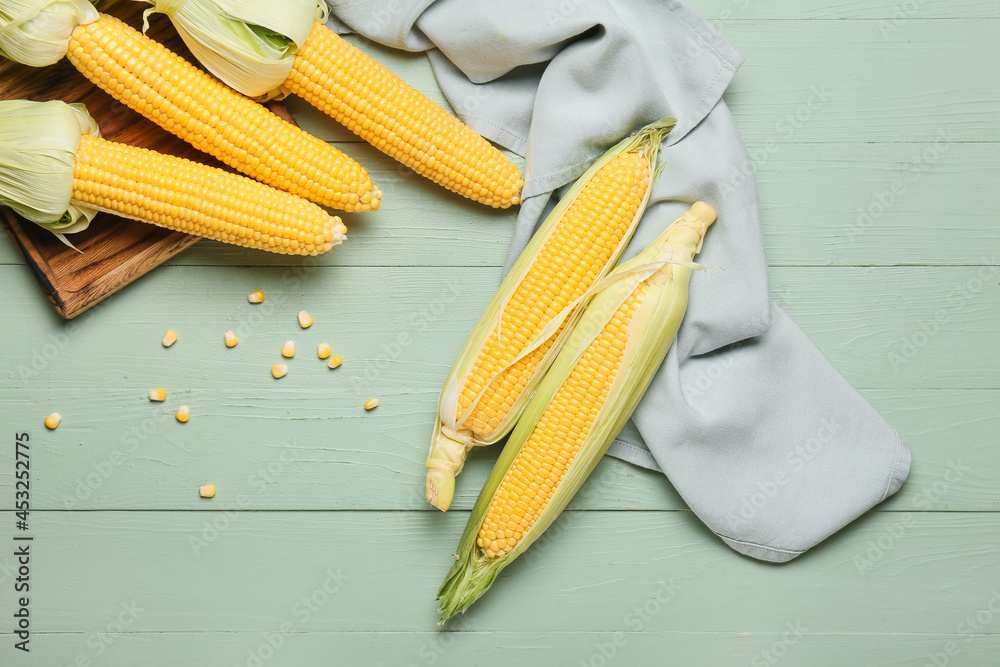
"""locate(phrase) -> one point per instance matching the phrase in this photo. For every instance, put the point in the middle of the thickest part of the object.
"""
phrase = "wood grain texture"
(308, 482)
(244, 571)
(499, 649)
(113, 251)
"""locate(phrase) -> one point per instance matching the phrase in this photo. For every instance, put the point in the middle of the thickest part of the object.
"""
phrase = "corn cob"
(59, 163)
(347, 85)
(168, 90)
(579, 407)
(535, 306)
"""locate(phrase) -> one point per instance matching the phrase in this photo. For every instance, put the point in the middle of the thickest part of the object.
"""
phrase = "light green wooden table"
(319, 549)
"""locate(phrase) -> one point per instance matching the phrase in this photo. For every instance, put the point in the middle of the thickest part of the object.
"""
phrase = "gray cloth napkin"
(767, 443)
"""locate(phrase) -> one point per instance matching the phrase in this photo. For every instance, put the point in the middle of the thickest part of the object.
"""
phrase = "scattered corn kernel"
(53, 420)
(207, 491)
(305, 319)
(371, 404)
(279, 371)
(323, 350)
(169, 338)
(158, 394)
(288, 349)
(183, 414)
(231, 339)
(335, 361)
(256, 296)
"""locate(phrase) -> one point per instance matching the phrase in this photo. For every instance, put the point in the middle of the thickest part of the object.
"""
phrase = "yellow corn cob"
(556, 439)
(535, 306)
(197, 199)
(579, 407)
(385, 111)
(586, 239)
(213, 118)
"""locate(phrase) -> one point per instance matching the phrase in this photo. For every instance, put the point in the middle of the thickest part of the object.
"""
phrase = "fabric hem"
(630, 453)
(761, 551)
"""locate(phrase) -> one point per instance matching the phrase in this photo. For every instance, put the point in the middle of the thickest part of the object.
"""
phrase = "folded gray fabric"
(767, 443)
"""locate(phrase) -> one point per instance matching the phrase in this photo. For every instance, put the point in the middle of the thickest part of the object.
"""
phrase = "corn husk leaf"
(37, 32)
(667, 271)
(450, 441)
(38, 142)
(248, 44)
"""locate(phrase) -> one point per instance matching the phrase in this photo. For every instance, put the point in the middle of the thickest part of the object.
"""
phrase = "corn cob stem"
(536, 306)
(579, 407)
(385, 111)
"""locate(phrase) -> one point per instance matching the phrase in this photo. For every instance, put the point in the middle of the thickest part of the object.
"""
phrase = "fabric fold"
(767, 443)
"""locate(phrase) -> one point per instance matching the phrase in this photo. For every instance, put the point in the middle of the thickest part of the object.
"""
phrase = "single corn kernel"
(207, 491)
(183, 414)
(335, 361)
(288, 349)
(256, 296)
(305, 319)
(158, 394)
(279, 371)
(371, 404)
(53, 420)
(169, 338)
(231, 339)
(323, 350)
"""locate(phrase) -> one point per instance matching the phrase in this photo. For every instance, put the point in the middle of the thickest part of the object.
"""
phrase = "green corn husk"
(666, 267)
(451, 440)
(248, 44)
(38, 142)
(37, 32)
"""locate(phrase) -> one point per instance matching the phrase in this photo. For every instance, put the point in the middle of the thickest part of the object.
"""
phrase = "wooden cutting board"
(115, 251)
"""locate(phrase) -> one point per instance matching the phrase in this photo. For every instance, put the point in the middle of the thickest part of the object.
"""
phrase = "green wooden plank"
(889, 327)
(117, 451)
(879, 204)
(626, 646)
(893, 12)
(900, 326)
(249, 572)
(836, 81)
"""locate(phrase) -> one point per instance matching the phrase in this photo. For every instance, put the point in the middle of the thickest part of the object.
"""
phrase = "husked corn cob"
(538, 303)
(586, 397)
(190, 197)
(303, 57)
(184, 100)
(378, 106)
(56, 167)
